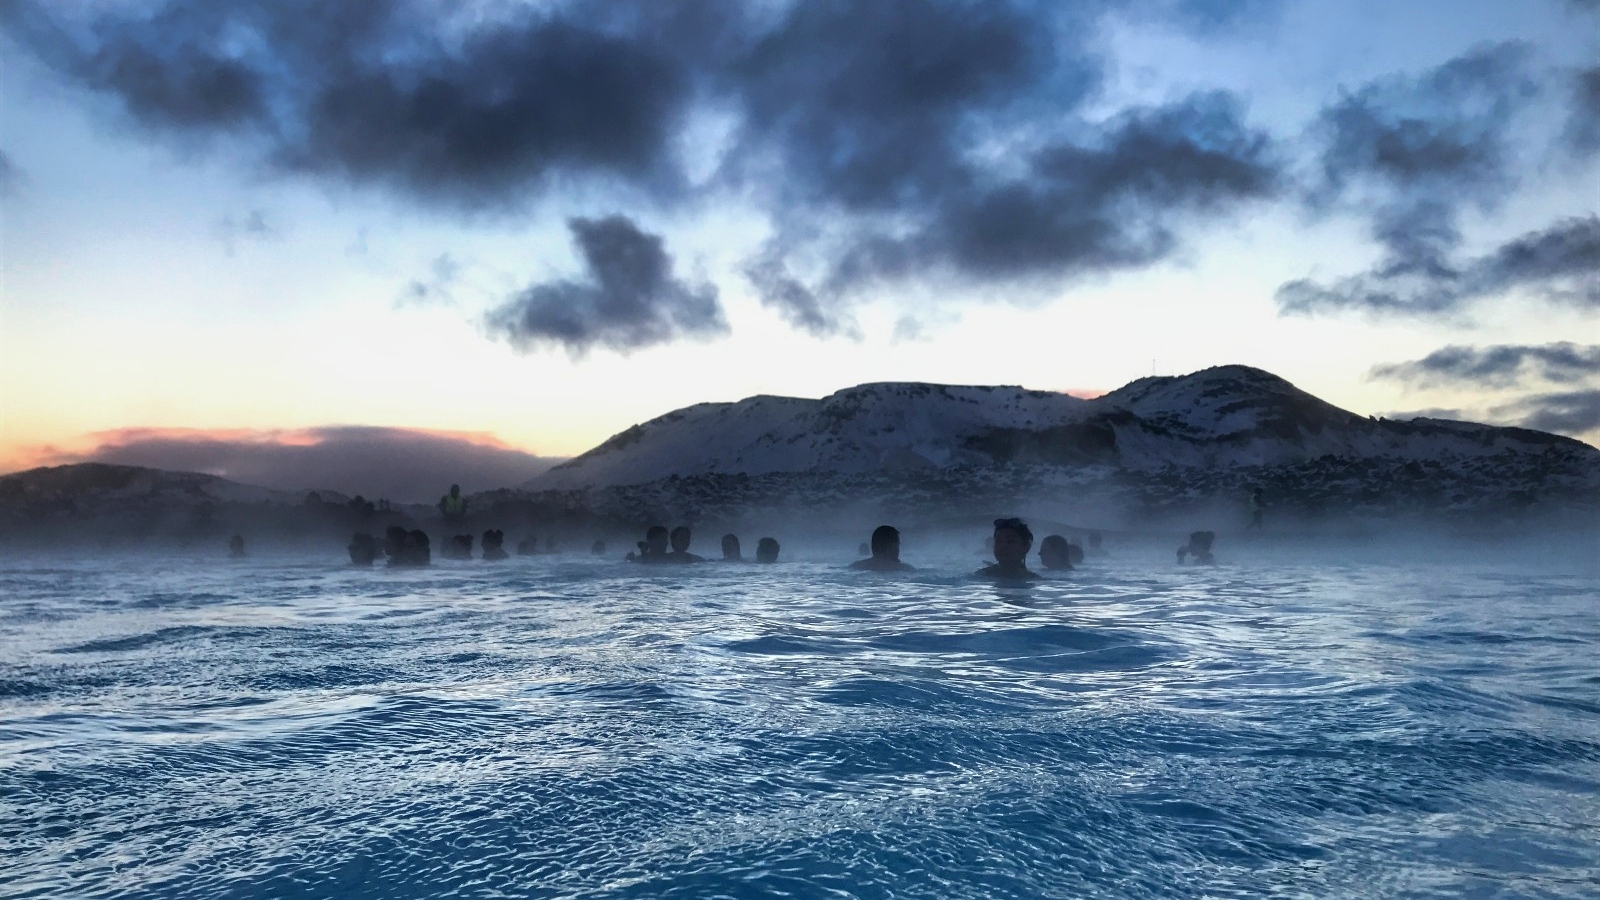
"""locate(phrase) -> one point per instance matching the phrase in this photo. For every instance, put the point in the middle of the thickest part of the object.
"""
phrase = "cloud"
(1411, 152)
(1444, 134)
(887, 141)
(437, 289)
(1560, 264)
(1112, 202)
(1567, 412)
(400, 464)
(1502, 365)
(1432, 412)
(476, 109)
(798, 304)
(253, 226)
(10, 175)
(1583, 126)
(629, 301)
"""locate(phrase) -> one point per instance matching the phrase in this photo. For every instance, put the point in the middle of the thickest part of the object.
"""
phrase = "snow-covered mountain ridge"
(1228, 416)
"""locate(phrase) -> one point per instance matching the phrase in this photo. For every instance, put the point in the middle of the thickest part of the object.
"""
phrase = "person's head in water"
(730, 547)
(680, 539)
(1012, 540)
(885, 552)
(767, 550)
(886, 543)
(1055, 552)
(655, 541)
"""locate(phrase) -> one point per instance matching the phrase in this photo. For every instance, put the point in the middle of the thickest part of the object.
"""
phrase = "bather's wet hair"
(1017, 525)
(767, 550)
(883, 538)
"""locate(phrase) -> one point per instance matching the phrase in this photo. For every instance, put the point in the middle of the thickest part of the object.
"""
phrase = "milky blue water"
(584, 728)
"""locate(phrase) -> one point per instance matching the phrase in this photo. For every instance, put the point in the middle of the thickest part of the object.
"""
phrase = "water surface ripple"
(567, 728)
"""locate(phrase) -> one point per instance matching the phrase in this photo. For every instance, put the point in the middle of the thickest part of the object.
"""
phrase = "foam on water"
(554, 728)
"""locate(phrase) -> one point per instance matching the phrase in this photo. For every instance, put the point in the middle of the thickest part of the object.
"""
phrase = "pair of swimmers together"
(1012, 541)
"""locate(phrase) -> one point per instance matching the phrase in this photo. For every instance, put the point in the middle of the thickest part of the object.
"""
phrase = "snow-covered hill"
(1228, 416)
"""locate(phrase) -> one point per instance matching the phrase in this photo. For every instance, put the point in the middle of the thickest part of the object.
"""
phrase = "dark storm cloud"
(1566, 412)
(872, 113)
(1502, 365)
(405, 465)
(1413, 152)
(1076, 207)
(631, 299)
(1445, 133)
(469, 110)
(868, 106)
(1560, 264)
(934, 135)
(1583, 126)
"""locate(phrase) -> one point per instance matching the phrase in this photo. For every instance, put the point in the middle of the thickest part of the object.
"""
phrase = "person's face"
(1009, 547)
(680, 541)
(657, 542)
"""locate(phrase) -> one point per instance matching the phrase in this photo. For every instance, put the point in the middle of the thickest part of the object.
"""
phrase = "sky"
(286, 240)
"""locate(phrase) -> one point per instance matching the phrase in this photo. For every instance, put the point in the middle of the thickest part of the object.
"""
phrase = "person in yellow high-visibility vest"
(453, 506)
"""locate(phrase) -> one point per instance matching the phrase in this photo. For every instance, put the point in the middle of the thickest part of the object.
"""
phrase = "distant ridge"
(1223, 416)
(1158, 453)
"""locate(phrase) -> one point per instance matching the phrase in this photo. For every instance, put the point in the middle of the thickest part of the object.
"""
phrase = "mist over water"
(570, 726)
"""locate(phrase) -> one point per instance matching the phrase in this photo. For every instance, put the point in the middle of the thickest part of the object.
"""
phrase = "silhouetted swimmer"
(885, 552)
(418, 551)
(653, 548)
(494, 544)
(767, 550)
(863, 549)
(453, 506)
(1055, 553)
(680, 547)
(1258, 507)
(1198, 550)
(598, 548)
(1012, 541)
(394, 543)
(1074, 554)
(236, 546)
(406, 548)
(730, 548)
(459, 547)
(363, 549)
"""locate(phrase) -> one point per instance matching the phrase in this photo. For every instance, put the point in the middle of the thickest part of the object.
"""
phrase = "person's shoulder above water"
(876, 564)
(1007, 572)
(885, 549)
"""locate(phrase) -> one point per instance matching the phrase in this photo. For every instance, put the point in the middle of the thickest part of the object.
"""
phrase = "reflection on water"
(582, 728)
